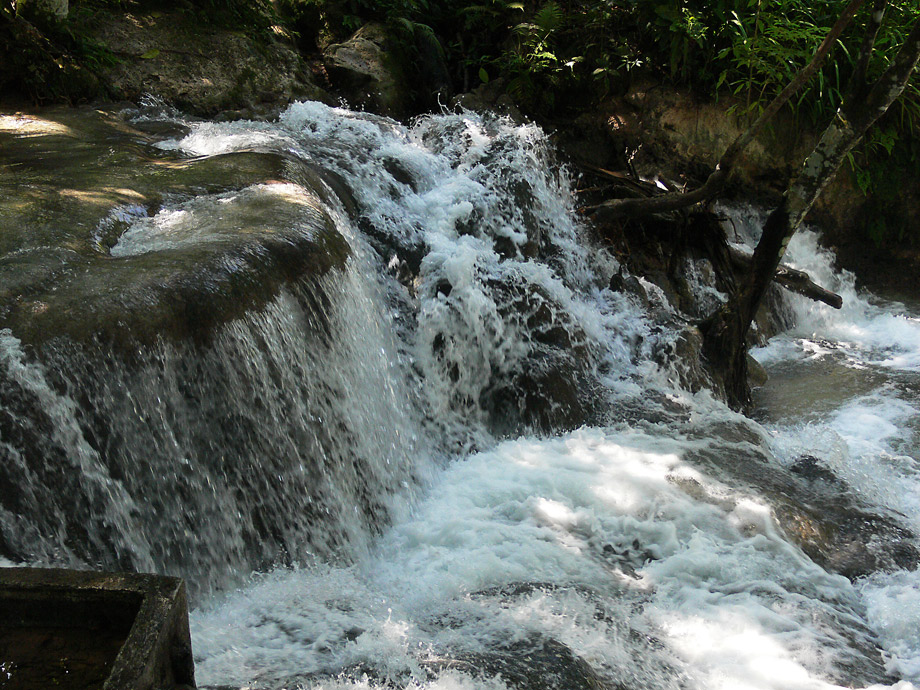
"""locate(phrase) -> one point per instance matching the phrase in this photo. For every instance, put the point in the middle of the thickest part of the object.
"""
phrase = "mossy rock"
(195, 64)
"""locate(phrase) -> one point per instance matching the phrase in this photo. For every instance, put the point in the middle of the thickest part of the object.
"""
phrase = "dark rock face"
(393, 71)
(533, 664)
(195, 66)
(553, 388)
(365, 71)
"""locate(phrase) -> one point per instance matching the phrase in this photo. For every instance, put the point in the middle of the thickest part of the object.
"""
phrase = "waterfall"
(284, 437)
(465, 456)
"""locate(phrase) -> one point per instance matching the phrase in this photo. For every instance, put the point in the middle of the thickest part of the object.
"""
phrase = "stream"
(372, 389)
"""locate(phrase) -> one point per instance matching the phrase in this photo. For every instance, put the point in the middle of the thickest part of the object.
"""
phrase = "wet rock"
(536, 663)
(809, 467)
(366, 72)
(553, 387)
(688, 351)
(405, 257)
(847, 539)
(629, 284)
(757, 375)
(817, 509)
(490, 98)
(552, 393)
(540, 661)
(86, 181)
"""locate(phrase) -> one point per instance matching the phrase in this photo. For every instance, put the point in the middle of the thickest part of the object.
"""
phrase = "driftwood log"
(791, 278)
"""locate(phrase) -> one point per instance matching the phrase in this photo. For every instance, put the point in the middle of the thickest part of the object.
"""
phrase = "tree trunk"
(726, 331)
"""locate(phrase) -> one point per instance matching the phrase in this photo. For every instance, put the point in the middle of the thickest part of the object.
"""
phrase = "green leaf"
(150, 54)
(483, 75)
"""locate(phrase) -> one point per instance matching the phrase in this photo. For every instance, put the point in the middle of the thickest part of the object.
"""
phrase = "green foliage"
(560, 53)
(754, 48)
(550, 50)
(354, 13)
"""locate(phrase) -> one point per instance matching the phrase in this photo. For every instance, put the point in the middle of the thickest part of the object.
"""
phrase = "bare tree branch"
(790, 278)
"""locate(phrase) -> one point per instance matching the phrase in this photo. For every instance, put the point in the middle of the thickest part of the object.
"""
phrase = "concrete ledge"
(87, 630)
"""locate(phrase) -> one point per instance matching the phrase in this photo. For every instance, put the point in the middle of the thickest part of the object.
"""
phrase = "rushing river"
(488, 470)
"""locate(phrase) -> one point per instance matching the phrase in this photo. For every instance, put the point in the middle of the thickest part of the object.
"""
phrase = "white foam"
(869, 438)
(706, 572)
(214, 138)
(893, 601)
(614, 533)
(868, 332)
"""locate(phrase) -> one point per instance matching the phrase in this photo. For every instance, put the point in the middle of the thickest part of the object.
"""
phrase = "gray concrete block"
(88, 630)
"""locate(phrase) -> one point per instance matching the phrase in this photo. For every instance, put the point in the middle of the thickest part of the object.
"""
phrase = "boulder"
(534, 663)
(366, 72)
(491, 97)
(197, 67)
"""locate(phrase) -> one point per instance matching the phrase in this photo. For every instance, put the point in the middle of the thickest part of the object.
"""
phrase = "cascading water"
(209, 461)
(464, 461)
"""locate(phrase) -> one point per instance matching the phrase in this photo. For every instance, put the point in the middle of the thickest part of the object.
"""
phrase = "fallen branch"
(790, 278)
(635, 187)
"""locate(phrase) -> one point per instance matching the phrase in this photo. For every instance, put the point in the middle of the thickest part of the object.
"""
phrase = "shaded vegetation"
(550, 50)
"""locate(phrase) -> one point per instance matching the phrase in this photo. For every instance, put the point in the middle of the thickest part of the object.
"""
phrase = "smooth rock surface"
(106, 235)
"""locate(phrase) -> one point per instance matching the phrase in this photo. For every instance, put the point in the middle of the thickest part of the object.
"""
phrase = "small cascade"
(508, 317)
(435, 438)
(285, 437)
